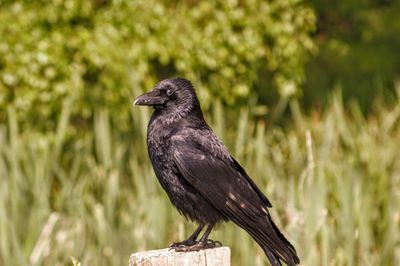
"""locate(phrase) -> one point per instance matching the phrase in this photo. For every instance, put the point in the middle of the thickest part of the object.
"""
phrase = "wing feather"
(218, 182)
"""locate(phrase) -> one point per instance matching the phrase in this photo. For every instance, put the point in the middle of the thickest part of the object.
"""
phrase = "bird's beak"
(150, 98)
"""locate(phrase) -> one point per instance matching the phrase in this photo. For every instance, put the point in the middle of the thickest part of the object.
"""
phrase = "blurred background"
(304, 93)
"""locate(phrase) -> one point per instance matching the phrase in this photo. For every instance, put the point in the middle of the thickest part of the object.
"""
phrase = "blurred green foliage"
(358, 49)
(97, 51)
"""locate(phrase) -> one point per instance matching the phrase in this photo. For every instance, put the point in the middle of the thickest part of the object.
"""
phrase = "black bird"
(202, 180)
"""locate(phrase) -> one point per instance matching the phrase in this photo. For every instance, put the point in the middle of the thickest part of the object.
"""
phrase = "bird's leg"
(209, 243)
(190, 241)
(203, 243)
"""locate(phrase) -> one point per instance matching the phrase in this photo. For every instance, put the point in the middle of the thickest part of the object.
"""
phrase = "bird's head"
(175, 94)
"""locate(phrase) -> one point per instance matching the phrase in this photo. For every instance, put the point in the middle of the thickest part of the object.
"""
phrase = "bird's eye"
(169, 92)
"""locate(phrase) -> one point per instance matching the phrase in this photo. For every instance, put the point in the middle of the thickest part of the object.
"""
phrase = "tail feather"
(283, 238)
(272, 258)
(274, 244)
(264, 231)
(281, 250)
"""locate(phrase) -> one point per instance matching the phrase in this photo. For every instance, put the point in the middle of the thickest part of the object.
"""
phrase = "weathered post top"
(220, 256)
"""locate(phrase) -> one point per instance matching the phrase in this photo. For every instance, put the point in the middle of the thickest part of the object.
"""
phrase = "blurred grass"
(333, 178)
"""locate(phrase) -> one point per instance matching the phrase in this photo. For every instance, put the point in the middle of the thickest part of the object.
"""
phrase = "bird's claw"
(186, 243)
(213, 243)
(197, 246)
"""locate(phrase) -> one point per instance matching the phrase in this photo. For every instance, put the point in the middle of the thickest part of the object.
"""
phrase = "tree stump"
(220, 256)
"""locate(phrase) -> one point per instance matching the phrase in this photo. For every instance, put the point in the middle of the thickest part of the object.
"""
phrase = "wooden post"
(220, 256)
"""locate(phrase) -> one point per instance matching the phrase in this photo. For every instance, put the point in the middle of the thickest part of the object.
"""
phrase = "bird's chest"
(160, 151)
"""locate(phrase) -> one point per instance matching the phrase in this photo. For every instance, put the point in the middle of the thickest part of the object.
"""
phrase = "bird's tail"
(273, 242)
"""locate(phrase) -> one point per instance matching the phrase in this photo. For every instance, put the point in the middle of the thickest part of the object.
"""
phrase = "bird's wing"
(256, 189)
(217, 178)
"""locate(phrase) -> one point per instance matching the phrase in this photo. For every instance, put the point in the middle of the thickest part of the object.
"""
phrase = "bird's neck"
(176, 116)
(165, 124)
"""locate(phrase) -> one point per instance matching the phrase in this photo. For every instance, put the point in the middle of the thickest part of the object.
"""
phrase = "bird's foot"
(186, 243)
(198, 246)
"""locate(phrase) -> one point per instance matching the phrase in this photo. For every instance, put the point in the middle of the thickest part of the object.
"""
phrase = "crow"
(202, 180)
